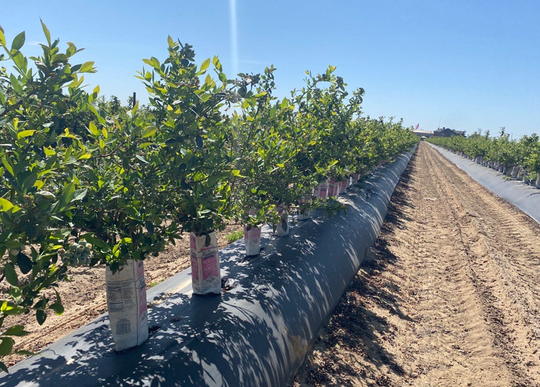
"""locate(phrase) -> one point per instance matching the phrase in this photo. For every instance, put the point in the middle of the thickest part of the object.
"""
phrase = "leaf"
(2, 38)
(8, 166)
(149, 131)
(236, 172)
(18, 42)
(88, 67)
(49, 151)
(11, 275)
(6, 346)
(79, 194)
(5, 205)
(96, 242)
(15, 84)
(41, 316)
(26, 133)
(92, 128)
(217, 64)
(142, 159)
(204, 65)
(57, 306)
(29, 182)
(16, 330)
(46, 32)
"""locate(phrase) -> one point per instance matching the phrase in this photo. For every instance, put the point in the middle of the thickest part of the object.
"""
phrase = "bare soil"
(84, 297)
(450, 294)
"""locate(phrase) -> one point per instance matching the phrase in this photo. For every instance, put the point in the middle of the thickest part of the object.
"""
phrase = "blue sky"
(466, 64)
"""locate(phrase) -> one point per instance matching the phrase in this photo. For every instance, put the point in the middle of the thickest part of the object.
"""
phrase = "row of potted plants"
(515, 158)
(86, 182)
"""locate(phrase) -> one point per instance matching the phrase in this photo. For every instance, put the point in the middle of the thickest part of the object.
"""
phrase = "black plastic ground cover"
(523, 196)
(257, 333)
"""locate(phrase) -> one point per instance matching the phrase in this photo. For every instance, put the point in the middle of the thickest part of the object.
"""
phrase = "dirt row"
(449, 296)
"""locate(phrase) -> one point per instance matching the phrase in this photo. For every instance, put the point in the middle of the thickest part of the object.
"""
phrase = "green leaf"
(88, 67)
(8, 166)
(29, 182)
(96, 242)
(93, 129)
(16, 330)
(57, 306)
(41, 316)
(19, 60)
(2, 38)
(204, 65)
(26, 133)
(141, 158)
(217, 64)
(15, 84)
(149, 131)
(18, 42)
(11, 275)
(46, 31)
(79, 194)
(236, 172)
(6, 346)
(5, 205)
(49, 151)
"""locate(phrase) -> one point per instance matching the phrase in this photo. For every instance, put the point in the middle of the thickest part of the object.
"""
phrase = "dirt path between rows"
(84, 297)
(450, 296)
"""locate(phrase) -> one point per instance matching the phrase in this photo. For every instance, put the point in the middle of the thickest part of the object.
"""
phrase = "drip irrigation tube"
(523, 196)
(256, 333)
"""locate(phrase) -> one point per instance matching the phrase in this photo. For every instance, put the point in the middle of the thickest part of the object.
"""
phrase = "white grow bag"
(205, 273)
(126, 301)
(252, 238)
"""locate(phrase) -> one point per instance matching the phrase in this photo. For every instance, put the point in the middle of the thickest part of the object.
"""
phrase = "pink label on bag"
(209, 262)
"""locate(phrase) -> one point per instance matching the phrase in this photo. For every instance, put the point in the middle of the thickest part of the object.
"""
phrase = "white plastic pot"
(126, 301)
(205, 272)
(252, 239)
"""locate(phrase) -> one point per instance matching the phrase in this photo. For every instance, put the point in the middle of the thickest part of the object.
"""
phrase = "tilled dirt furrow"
(461, 266)
(505, 267)
(485, 272)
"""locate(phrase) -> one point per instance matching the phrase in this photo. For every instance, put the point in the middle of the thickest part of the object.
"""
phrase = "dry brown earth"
(450, 296)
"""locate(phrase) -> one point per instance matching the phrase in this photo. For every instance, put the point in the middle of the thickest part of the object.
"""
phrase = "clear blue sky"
(470, 64)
